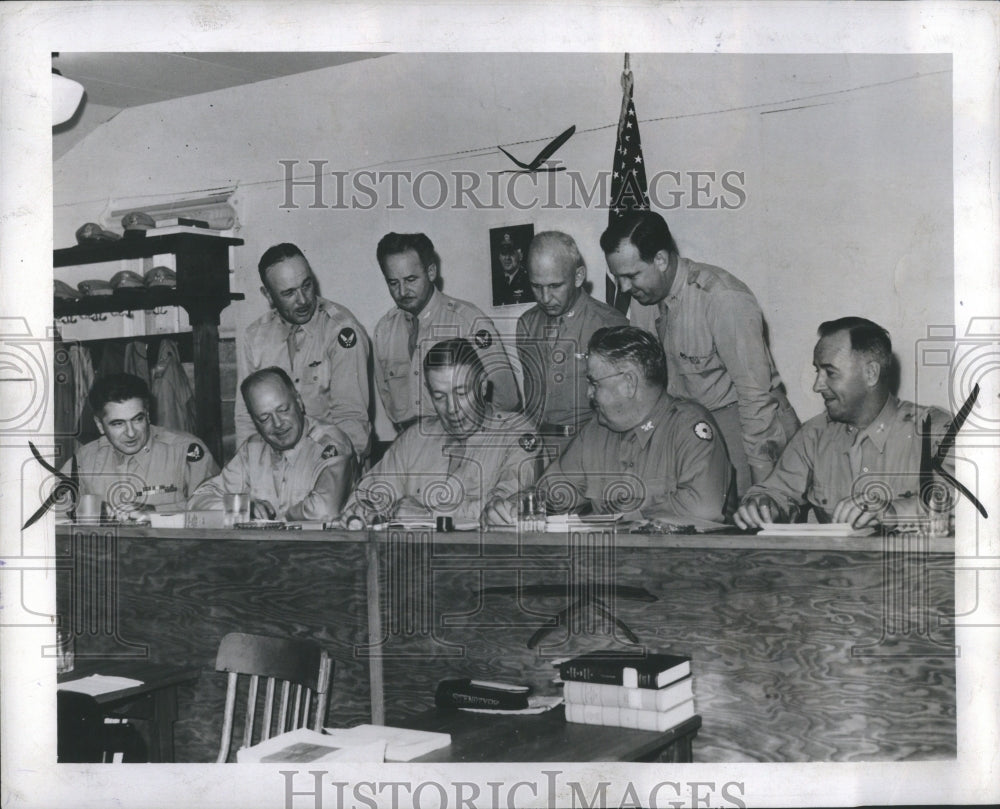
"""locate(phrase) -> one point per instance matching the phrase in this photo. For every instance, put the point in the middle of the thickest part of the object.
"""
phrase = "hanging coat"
(136, 360)
(172, 394)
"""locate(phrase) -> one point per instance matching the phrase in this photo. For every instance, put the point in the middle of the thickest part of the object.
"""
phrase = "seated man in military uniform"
(469, 462)
(859, 462)
(136, 466)
(294, 467)
(646, 451)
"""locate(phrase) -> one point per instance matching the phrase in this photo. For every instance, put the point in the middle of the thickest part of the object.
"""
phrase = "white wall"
(846, 162)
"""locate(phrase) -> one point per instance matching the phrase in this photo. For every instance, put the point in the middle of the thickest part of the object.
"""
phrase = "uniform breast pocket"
(629, 491)
(314, 372)
(659, 487)
(699, 359)
(467, 484)
(397, 377)
(161, 496)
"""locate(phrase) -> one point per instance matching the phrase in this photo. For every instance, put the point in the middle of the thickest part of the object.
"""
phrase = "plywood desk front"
(803, 649)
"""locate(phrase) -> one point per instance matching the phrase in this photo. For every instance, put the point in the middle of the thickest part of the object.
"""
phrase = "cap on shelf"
(92, 233)
(137, 220)
(127, 278)
(95, 287)
(161, 277)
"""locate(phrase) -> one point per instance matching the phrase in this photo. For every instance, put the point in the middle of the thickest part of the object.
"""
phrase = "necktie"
(661, 322)
(456, 456)
(413, 325)
(554, 333)
(293, 341)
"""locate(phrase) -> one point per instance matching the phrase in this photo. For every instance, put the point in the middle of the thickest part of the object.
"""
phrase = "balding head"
(556, 272)
(275, 407)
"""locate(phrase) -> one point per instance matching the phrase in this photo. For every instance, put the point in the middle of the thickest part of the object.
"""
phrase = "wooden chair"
(301, 668)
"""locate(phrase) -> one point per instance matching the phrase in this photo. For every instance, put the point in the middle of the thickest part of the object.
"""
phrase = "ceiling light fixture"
(66, 97)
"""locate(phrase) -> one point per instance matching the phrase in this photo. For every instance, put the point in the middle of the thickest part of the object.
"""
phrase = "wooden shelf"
(144, 247)
(126, 300)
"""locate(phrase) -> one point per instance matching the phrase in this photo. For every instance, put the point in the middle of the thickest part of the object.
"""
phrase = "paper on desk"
(306, 745)
(535, 705)
(420, 523)
(401, 744)
(97, 684)
(560, 523)
(830, 529)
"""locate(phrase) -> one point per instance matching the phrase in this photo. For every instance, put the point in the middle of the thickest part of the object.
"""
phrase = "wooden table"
(477, 738)
(155, 699)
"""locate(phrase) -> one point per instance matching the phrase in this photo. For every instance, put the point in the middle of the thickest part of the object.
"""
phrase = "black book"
(467, 693)
(632, 671)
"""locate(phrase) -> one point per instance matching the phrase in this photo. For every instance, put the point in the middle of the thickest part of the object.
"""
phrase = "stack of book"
(653, 692)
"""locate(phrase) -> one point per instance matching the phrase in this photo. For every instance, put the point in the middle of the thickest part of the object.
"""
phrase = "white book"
(619, 696)
(629, 717)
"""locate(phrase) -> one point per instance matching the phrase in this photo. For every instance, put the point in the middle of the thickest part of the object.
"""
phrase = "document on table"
(830, 529)
(361, 743)
(306, 745)
(97, 684)
(401, 744)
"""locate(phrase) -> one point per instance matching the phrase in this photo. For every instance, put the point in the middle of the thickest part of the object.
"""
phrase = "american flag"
(628, 179)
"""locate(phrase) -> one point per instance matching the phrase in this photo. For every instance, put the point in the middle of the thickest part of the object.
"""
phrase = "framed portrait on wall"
(508, 256)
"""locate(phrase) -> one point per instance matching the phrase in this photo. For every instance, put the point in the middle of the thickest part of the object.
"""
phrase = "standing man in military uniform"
(136, 466)
(646, 451)
(860, 461)
(712, 330)
(469, 461)
(552, 339)
(422, 317)
(320, 344)
(292, 466)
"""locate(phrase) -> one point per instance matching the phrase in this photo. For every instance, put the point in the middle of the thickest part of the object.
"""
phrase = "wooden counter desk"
(803, 649)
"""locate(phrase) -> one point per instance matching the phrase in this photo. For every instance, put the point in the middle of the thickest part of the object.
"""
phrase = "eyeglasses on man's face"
(592, 382)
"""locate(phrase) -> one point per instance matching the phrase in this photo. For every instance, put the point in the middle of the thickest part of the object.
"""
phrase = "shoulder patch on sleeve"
(347, 337)
(330, 451)
(528, 442)
(704, 431)
(195, 452)
(484, 339)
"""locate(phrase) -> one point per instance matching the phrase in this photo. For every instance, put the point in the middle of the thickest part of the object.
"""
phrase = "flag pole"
(629, 191)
